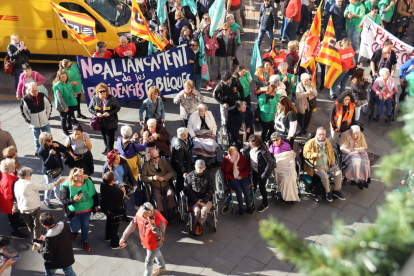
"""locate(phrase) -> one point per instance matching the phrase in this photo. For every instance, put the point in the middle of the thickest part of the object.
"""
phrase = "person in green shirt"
(368, 4)
(245, 79)
(289, 80)
(354, 13)
(373, 15)
(75, 78)
(386, 12)
(266, 110)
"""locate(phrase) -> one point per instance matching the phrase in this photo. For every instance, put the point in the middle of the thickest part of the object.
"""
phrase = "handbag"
(401, 21)
(41, 87)
(54, 172)
(95, 123)
(116, 216)
(8, 65)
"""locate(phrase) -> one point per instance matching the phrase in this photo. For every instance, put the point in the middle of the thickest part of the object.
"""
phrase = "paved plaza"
(236, 248)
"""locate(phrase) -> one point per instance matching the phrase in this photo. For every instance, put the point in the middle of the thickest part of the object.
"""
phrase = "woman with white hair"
(19, 55)
(156, 136)
(288, 79)
(354, 148)
(384, 88)
(128, 147)
(202, 129)
(305, 101)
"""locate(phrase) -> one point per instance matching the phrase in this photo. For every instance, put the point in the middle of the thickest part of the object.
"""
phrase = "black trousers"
(14, 221)
(239, 138)
(248, 101)
(67, 119)
(323, 67)
(262, 186)
(108, 136)
(267, 129)
(111, 230)
(179, 184)
(291, 142)
(86, 163)
(304, 119)
(78, 98)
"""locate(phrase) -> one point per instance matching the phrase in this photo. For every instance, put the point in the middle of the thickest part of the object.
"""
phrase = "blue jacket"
(195, 67)
(129, 178)
(405, 67)
(51, 161)
(132, 149)
(149, 106)
(337, 15)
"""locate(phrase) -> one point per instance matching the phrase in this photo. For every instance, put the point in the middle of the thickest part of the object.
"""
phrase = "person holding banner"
(384, 88)
(102, 51)
(106, 108)
(373, 14)
(185, 36)
(180, 23)
(153, 107)
(125, 49)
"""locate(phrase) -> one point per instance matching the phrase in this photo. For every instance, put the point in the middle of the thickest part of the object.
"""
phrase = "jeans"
(304, 18)
(197, 82)
(380, 108)
(237, 17)
(210, 63)
(17, 72)
(108, 136)
(291, 30)
(239, 186)
(36, 133)
(67, 270)
(354, 36)
(262, 186)
(33, 223)
(56, 189)
(283, 28)
(67, 119)
(341, 81)
(221, 61)
(269, 34)
(149, 261)
(111, 230)
(81, 222)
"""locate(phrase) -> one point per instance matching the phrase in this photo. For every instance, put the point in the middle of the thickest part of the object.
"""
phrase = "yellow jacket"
(311, 150)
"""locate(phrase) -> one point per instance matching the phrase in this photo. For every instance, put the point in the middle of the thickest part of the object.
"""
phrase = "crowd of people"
(286, 98)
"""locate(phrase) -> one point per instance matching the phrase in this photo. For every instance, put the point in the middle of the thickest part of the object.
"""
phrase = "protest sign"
(373, 37)
(130, 79)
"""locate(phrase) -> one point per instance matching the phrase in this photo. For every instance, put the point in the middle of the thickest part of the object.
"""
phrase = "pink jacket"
(379, 86)
(37, 77)
(210, 49)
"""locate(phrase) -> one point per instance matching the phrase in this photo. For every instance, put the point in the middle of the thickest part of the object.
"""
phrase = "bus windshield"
(113, 11)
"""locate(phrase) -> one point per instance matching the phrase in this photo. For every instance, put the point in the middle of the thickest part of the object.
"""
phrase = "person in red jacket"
(293, 12)
(125, 49)
(7, 179)
(237, 169)
(151, 225)
(279, 57)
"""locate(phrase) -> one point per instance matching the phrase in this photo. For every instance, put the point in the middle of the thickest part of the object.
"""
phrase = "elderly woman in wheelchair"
(384, 88)
(354, 149)
(236, 169)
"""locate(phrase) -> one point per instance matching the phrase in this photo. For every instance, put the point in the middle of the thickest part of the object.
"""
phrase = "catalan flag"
(311, 50)
(79, 25)
(140, 28)
(329, 56)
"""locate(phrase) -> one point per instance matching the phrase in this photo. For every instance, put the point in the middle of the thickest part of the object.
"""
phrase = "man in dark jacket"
(227, 49)
(240, 123)
(226, 94)
(186, 12)
(267, 22)
(180, 157)
(337, 12)
(199, 188)
(56, 249)
(193, 59)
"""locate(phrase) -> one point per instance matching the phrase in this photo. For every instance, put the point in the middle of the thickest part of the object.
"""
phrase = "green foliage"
(380, 249)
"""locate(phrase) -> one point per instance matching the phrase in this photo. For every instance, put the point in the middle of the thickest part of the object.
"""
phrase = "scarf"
(236, 172)
(231, 24)
(384, 63)
(15, 45)
(321, 144)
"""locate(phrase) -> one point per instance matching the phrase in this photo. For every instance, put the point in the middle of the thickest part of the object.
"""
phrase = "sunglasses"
(276, 140)
(102, 91)
(226, 29)
(50, 140)
(205, 18)
(155, 157)
(193, 45)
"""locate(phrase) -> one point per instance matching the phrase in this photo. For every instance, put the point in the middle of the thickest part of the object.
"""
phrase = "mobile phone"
(79, 192)
(16, 257)
(38, 241)
(21, 44)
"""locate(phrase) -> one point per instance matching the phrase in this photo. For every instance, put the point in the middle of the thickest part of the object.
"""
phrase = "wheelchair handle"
(309, 163)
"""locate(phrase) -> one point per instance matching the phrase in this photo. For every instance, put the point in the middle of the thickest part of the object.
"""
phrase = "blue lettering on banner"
(130, 79)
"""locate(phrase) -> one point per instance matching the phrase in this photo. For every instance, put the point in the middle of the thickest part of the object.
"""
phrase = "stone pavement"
(236, 248)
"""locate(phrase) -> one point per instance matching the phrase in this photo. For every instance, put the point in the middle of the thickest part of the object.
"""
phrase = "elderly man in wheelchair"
(354, 156)
(157, 172)
(199, 188)
(321, 156)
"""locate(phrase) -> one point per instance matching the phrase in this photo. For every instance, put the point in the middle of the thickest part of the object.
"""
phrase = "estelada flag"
(329, 56)
(312, 46)
(140, 28)
(79, 25)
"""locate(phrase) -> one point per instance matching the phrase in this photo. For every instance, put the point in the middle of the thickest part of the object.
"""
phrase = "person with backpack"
(18, 55)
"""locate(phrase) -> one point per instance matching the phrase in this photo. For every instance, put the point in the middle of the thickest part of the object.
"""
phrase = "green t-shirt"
(324, 160)
(355, 9)
(74, 75)
(88, 191)
(267, 110)
(245, 82)
(389, 13)
(292, 86)
(368, 6)
(67, 93)
(377, 18)
(234, 27)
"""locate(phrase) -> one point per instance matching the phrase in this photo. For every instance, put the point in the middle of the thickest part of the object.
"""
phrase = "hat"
(182, 131)
(148, 207)
(200, 164)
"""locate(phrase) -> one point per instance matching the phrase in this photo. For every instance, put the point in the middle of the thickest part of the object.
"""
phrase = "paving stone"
(262, 252)
(236, 250)
(310, 230)
(352, 213)
(297, 214)
(248, 267)
(218, 266)
(189, 267)
(324, 213)
(277, 267)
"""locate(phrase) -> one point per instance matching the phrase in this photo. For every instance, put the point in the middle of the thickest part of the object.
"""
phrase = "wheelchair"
(225, 141)
(372, 106)
(224, 190)
(186, 211)
(194, 157)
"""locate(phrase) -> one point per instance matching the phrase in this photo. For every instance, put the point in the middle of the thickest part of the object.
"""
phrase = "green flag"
(151, 49)
(205, 74)
(191, 4)
(256, 60)
(161, 11)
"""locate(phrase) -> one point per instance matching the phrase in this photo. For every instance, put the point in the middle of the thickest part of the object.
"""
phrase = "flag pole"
(86, 50)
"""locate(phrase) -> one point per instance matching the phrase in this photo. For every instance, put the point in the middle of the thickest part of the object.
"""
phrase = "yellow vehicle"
(45, 35)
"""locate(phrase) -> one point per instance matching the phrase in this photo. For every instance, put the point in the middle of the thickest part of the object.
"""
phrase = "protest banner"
(372, 38)
(130, 79)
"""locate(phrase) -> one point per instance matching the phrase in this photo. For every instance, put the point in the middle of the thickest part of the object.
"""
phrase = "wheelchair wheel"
(318, 198)
(220, 185)
(182, 207)
(226, 208)
(303, 186)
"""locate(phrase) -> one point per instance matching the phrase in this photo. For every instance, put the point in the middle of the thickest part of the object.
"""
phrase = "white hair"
(275, 79)
(304, 76)
(320, 128)
(122, 37)
(204, 106)
(355, 128)
(152, 121)
(126, 131)
(382, 71)
(7, 165)
(24, 172)
(283, 65)
(30, 85)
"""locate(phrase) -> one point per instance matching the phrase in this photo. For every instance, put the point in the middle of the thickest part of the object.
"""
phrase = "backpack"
(8, 65)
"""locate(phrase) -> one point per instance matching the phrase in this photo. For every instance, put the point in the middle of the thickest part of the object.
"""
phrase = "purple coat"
(279, 149)
(132, 149)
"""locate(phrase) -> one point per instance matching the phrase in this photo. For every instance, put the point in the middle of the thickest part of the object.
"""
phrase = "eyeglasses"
(102, 91)
(276, 140)
(193, 45)
(35, 90)
(206, 18)
(50, 140)
(156, 157)
(225, 30)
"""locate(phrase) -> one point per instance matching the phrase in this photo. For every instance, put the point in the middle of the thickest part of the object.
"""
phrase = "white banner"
(372, 38)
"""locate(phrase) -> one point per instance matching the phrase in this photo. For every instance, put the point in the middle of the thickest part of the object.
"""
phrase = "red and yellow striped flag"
(312, 46)
(329, 56)
(79, 25)
(139, 27)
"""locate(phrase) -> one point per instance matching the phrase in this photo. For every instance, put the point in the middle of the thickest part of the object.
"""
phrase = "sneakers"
(338, 194)
(86, 247)
(74, 236)
(377, 119)
(262, 208)
(18, 235)
(158, 271)
(211, 82)
(329, 197)
(50, 205)
(22, 225)
(119, 247)
(208, 87)
(388, 119)
(241, 211)
(333, 97)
